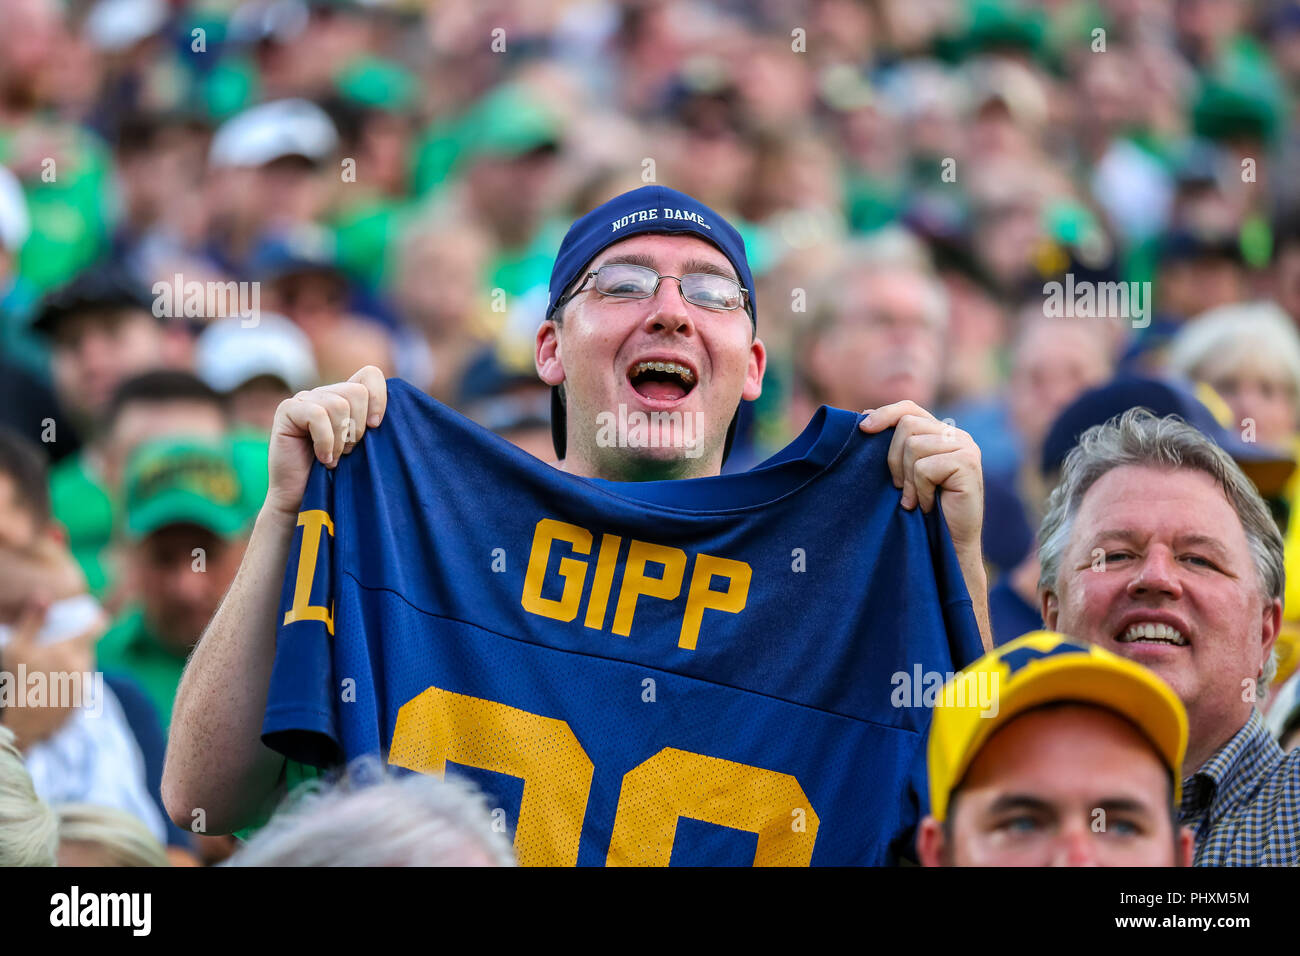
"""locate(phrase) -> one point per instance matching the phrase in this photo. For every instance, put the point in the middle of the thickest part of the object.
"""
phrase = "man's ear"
(1271, 625)
(929, 842)
(550, 366)
(754, 374)
(1051, 608)
(1186, 846)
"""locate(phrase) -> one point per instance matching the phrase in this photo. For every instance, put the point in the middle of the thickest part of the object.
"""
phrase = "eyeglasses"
(626, 281)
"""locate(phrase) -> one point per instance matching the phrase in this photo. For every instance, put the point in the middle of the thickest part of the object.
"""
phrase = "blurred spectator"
(27, 405)
(29, 831)
(269, 171)
(92, 835)
(48, 78)
(102, 330)
(509, 400)
(301, 279)
(1289, 737)
(1286, 266)
(879, 335)
(1195, 272)
(1053, 360)
(78, 743)
(254, 368)
(1249, 353)
(509, 145)
(160, 163)
(86, 492)
(440, 275)
(374, 109)
(186, 522)
(380, 817)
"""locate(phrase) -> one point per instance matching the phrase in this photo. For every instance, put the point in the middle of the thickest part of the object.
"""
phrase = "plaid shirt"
(1244, 803)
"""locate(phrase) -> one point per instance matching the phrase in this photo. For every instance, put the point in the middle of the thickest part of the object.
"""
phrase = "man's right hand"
(325, 423)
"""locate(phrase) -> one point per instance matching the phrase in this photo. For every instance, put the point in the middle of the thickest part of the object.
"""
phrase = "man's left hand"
(927, 454)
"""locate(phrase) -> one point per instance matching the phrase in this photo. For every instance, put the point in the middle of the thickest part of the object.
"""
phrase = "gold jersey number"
(438, 725)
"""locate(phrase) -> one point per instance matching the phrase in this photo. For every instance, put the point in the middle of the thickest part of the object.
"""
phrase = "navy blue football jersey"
(695, 672)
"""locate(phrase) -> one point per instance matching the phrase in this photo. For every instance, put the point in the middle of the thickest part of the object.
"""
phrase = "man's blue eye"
(1020, 824)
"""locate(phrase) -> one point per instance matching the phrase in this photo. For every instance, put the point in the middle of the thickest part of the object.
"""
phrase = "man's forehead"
(667, 251)
(1189, 498)
(1038, 743)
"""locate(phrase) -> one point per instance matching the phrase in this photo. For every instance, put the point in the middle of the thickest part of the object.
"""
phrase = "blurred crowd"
(208, 206)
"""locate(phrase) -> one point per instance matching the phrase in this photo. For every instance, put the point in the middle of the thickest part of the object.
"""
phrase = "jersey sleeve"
(300, 720)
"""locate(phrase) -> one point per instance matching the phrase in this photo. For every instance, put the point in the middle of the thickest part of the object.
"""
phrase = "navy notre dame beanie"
(649, 209)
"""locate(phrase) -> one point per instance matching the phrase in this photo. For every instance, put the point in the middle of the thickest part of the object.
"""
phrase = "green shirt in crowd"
(81, 503)
(132, 648)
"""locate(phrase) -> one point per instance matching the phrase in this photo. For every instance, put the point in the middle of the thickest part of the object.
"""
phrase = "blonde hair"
(29, 832)
(123, 837)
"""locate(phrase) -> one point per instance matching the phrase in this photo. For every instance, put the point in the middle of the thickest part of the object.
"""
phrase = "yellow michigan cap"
(1044, 667)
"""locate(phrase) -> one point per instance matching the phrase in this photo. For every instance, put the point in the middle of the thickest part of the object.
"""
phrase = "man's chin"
(662, 462)
(1166, 661)
(667, 454)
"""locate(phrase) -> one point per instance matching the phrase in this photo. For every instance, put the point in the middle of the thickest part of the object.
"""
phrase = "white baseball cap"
(120, 24)
(273, 130)
(15, 223)
(227, 353)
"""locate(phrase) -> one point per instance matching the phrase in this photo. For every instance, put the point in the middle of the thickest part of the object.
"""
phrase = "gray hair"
(888, 252)
(375, 817)
(1234, 334)
(29, 832)
(1139, 438)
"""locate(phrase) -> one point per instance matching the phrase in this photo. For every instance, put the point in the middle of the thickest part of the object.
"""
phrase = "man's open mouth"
(1147, 632)
(662, 381)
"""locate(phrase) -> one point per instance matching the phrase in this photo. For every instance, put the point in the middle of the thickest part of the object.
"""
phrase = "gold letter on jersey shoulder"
(311, 523)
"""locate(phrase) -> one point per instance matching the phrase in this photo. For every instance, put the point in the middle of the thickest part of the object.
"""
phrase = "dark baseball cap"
(1268, 468)
(1187, 245)
(302, 250)
(647, 209)
(501, 395)
(100, 288)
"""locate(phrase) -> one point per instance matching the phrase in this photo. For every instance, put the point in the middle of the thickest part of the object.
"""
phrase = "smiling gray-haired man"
(1156, 546)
